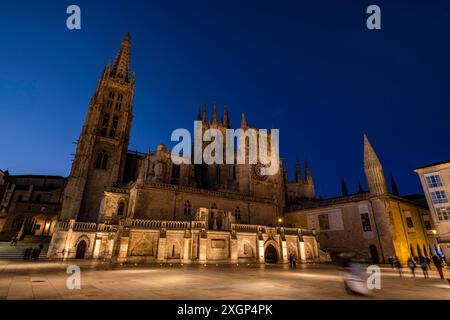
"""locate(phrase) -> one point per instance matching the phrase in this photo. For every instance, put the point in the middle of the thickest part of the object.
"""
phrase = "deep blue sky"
(311, 68)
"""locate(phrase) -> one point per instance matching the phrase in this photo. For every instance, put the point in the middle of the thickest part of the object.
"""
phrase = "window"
(438, 197)
(112, 132)
(427, 224)
(109, 104)
(443, 213)
(19, 198)
(38, 198)
(237, 214)
(121, 209)
(102, 160)
(105, 124)
(366, 222)
(187, 208)
(434, 181)
(324, 223)
(112, 95)
(409, 222)
(119, 102)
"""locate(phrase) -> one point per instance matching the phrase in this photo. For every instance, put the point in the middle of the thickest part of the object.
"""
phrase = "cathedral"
(132, 207)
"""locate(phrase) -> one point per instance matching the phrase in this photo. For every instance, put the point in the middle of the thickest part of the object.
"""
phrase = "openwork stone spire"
(373, 170)
(121, 66)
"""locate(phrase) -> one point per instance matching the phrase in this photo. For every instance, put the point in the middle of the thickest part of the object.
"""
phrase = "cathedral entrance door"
(81, 250)
(271, 254)
(374, 254)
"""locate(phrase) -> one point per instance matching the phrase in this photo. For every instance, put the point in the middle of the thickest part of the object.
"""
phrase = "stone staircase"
(9, 252)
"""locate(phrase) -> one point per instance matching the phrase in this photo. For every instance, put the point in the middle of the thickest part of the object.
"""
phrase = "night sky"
(310, 68)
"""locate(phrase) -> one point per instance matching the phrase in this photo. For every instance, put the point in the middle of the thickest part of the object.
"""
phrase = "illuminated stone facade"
(375, 224)
(141, 207)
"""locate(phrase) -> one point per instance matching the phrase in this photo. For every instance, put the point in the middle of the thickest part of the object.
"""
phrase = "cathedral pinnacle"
(121, 66)
(373, 170)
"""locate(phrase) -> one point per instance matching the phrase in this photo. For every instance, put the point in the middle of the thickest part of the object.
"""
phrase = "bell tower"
(103, 143)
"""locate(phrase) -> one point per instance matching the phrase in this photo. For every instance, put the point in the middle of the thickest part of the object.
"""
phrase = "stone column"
(186, 250)
(110, 248)
(161, 256)
(234, 250)
(260, 248)
(66, 250)
(284, 251)
(202, 249)
(123, 249)
(97, 245)
(301, 248)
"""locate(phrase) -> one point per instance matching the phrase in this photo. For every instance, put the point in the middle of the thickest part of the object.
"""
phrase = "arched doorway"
(374, 254)
(271, 254)
(81, 250)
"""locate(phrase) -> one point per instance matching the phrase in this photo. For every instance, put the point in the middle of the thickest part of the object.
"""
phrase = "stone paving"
(47, 280)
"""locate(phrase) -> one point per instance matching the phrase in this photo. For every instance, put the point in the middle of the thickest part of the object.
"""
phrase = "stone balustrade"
(251, 228)
(85, 226)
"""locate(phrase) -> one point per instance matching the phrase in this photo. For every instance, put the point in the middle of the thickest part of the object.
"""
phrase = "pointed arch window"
(102, 160)
(105, 124)
(121, 209)
(237, 214)
(115, 122)
(187, 208)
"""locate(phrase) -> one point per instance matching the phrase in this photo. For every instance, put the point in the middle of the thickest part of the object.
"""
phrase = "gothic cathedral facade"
(140, 207)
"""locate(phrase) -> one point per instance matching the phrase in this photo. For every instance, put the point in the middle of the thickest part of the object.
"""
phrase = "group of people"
(423, 262)
(292, 260)
(32, 254)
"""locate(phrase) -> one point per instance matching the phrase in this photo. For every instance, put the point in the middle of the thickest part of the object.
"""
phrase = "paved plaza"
(47, 280)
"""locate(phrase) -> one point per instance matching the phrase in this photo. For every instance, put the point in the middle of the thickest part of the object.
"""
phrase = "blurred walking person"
(399, 267)
(412, 267)
(424, 266)
(438, 263)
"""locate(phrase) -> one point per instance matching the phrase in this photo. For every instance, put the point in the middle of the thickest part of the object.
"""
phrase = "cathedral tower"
(373, 170)
(103, 143)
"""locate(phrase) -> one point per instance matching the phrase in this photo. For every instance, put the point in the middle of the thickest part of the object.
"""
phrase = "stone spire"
(394, 187)
(298, 172)
(308, 178)
(243, 121)
(204, 114)
(225, 119)
(344, 190)
(373, 170)
(121, 66)
(214, 119)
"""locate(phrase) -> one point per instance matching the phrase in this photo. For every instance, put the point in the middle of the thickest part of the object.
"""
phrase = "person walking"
(399, 267)
(438, 263)
(412, 267)
(291, 260)
(391, 261)
(294, 261)
(424, 266)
